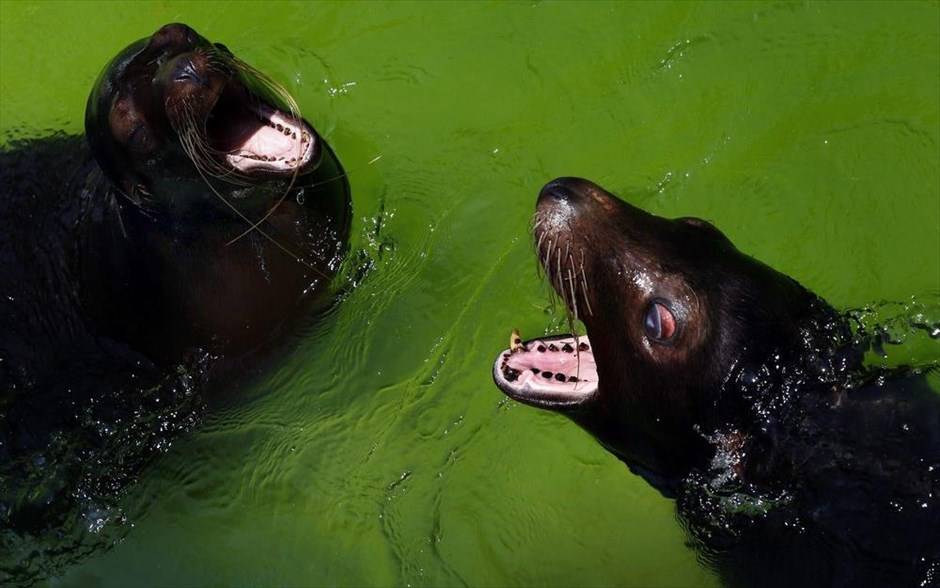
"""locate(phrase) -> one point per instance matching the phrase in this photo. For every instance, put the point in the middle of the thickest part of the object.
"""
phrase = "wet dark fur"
(791, 463)
(116, 315)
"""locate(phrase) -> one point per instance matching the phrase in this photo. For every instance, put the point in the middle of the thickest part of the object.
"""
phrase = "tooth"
(515, 342)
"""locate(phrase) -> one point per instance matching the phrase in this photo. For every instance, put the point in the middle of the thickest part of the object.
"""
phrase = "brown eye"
(660, 323)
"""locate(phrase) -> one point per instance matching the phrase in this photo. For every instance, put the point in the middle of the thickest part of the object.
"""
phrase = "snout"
(178, 35)
(566, 189)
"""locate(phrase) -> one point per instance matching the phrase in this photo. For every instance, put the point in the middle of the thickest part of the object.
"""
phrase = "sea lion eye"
(660, 323)
(129, 128)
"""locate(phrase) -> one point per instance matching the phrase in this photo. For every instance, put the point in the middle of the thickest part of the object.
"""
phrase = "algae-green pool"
(379, 452)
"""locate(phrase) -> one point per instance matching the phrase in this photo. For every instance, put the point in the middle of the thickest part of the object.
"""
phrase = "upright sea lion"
(204, 218)
(200, 147)
(730, 387)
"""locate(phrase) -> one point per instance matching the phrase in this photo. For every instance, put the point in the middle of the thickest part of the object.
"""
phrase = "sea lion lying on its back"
(204, 217)
(730, 387)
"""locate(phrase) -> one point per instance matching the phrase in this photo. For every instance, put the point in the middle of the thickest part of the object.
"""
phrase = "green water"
(379, 452)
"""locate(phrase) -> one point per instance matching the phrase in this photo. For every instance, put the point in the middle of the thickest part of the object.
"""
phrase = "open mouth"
(554, 372)
(254, 138)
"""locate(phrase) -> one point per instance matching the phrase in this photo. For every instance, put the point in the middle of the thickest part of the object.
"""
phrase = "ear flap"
(704, 226)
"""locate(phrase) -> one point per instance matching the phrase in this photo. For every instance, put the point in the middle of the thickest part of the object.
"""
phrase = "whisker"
(547, 264)
(337, 177)
(193, 137)
(587, 299)
(574, 298)
(256, 224)
(260, 231)
(273, 87)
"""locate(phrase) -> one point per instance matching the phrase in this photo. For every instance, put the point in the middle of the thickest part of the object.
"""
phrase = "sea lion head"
(678, 323)
(174, 115)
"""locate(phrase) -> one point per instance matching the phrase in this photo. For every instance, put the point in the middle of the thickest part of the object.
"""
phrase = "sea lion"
(200, 147)
(203, 219)
(733, 389)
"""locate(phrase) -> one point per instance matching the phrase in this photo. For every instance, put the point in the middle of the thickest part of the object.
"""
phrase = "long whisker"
(574, 298)
(193, 135)
(584, 284)
(311, 186)
(202, 173)
(278, 91)
(273, 87)
(261, 232)
(547, 264)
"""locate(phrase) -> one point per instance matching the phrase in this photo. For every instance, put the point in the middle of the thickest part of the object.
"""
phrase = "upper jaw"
(255, 139)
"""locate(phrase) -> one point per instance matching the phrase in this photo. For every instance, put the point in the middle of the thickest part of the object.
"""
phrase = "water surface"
(379, 452)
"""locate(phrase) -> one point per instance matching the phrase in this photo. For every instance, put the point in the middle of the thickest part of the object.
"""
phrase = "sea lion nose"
(565, 189)
(577, 196)
(184, 70)
(178, 34)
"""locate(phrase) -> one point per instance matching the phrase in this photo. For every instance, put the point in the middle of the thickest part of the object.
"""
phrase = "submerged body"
(201, 221)
(731, 388)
